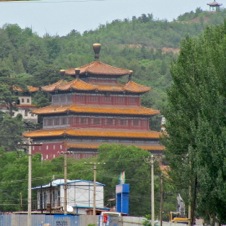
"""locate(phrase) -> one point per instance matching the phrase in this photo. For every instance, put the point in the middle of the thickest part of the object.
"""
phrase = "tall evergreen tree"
(195, 115)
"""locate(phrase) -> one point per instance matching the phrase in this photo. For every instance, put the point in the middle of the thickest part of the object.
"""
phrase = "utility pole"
(94, 184)
(29, 144)
(65, 182)
(189, 206)
(161, 198)
(94, 187)
(150, 161)
(152, 192)
(29, 182)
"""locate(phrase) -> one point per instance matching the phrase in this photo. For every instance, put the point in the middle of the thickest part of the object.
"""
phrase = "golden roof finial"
(96, 49)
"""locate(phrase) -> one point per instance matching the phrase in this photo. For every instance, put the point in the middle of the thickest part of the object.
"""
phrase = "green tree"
(118, 158)
(11, 132)
(195, 115)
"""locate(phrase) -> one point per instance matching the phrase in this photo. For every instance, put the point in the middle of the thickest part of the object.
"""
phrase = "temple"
(214, 6)
(23, 106)
(93, 108)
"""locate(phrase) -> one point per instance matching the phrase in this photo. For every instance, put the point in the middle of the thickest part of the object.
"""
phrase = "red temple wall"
(97, 99)
(52, 150)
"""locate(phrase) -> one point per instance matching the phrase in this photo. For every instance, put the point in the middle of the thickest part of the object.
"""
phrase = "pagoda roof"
(214, 4)
(98, 68)
(96, 146)
(81, 85)
(30, 89)
(96, 109)
(73, 132)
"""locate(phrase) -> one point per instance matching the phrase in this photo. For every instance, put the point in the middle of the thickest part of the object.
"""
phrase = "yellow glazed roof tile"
(30, 89)
(99, 68)
(94, 133)
(79, 84)
(97, 109)
(132, 86)
(53, 87)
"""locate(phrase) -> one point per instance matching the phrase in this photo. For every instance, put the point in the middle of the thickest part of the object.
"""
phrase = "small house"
(79, 196)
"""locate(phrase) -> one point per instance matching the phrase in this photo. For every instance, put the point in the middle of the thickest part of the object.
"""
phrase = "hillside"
(144, 45)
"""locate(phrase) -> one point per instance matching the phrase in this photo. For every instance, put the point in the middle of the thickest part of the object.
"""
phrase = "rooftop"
(80, 85)
(107, 133)
(97, 109)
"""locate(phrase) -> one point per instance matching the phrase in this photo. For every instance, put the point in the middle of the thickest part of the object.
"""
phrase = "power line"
(57, 2)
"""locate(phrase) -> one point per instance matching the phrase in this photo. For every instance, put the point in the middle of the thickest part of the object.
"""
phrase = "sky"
(59, 17)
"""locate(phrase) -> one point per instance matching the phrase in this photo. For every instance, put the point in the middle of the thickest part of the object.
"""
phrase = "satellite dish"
(70, 209)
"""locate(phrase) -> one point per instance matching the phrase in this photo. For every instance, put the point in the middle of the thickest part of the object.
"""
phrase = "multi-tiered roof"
(95, 108)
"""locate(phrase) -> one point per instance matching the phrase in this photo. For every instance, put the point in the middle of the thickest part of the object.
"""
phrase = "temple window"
(109, 121)
(93, 99)
(96, 121)
(64, 121)
(69, 98)
(55, 99)
(120, 100)
(80, 99)
(136, 122)
(62, 99)
(56, 121)
(49, 122)
(83, 120)
(107, 99)
(132, 100)
(123, 122)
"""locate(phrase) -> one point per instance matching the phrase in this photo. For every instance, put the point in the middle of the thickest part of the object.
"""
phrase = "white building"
(79, 195)
(24, 106)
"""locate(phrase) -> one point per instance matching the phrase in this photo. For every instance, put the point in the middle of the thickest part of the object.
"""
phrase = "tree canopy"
(111, 161)
(196, 120)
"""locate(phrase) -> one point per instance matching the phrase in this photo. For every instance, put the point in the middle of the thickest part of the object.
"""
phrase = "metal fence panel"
(39, 220)
(5, 220)
(69, 220)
